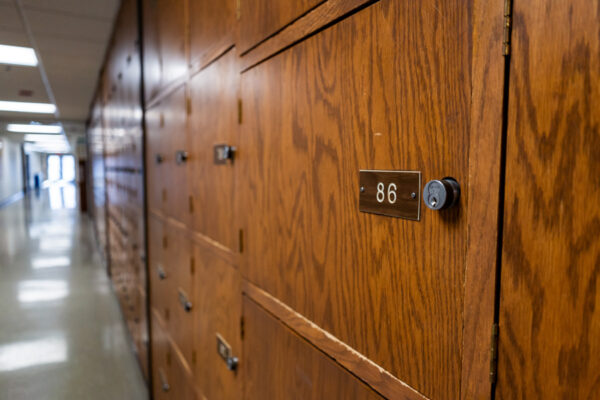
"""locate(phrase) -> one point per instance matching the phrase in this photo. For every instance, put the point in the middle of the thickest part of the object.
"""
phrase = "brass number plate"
(391, 193)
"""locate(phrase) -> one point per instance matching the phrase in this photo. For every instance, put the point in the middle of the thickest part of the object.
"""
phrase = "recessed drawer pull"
(183, 299)
(162, 275)
(181, 157)
(164, 384)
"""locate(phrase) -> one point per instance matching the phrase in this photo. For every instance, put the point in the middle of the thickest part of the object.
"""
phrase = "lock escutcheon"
(441, 194)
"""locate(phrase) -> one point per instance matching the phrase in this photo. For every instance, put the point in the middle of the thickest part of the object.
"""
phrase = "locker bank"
(300, 199)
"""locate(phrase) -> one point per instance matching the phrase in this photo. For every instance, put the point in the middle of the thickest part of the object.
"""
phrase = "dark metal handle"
(158, 158)
(164, 384)
(162, 275)
(223, 153)
(183, 299)
(224, 350)
(181, 157)
(232, 363)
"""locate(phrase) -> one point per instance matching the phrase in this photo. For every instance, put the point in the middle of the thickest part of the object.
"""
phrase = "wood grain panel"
(318, 17)
(382, 89)
(484, 196)
(550, 299)
(151, 43)
(174, 135)
(218, 310)
(180, 263)
(172, 39)
(214, 120)
(261, 18)
(155, 148)
(212, 29)
(373, 375)
(279, 365)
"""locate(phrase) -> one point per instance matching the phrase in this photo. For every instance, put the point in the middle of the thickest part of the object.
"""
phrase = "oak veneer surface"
(178, 261)
(213, 121)
(387, 88)
(261, 18)
(278, 364)
(550, 297)
(212, 28)
(218, 303)
(151, 59)
(155, 147)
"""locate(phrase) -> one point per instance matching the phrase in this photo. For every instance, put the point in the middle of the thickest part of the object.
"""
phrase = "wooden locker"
(278, 364)
(218, 312)
(549, 318)
(179, 295)
(176, 160)
(155, 159)
(214, 121)
(151, 41)
(314, 115)
(160, 275)
(260, 19)
(212, 29)
(172, 40)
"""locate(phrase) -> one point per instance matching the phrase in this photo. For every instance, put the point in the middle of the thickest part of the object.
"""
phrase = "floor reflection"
(37, 291)
(33, 353)
(50, 262)
(61, 332)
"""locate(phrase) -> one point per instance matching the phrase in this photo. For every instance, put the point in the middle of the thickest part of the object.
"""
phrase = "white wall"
(11, 167)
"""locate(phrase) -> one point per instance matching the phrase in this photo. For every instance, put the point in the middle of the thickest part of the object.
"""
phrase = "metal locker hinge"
(494, 354)
(507, 27)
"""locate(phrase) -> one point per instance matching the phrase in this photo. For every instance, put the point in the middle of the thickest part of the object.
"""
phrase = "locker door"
(388, 88)
(549, 322)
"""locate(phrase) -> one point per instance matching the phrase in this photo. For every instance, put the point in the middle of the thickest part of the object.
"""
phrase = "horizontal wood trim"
(199, 239)
(167, 90)
(194, 68)
(320, 16)
(373, 375)
(216, 52)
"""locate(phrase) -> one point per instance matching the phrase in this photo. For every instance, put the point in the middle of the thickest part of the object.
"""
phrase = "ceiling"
(70, 38)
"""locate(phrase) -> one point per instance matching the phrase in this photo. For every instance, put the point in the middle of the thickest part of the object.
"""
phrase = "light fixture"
(19, 106)
(45, 138)
(24, 128)
(17, 55)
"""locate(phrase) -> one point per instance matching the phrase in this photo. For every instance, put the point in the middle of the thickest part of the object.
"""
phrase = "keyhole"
(433, 201)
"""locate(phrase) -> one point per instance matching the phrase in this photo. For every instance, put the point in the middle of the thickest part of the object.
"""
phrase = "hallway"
(62, 336)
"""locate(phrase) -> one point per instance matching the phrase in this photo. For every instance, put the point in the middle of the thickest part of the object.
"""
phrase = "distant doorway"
(61, 167)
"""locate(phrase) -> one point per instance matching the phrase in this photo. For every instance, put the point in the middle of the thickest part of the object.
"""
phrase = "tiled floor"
(61, 332)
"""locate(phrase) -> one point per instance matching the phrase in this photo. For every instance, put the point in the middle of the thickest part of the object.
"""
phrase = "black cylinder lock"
(441, 194)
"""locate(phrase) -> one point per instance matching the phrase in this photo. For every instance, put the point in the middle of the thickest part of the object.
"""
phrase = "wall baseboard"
(11, 199)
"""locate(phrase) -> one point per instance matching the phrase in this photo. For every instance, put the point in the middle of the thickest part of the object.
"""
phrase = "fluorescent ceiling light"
(24, 128)
(45, 138)
(17, 55)
(19, 106)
